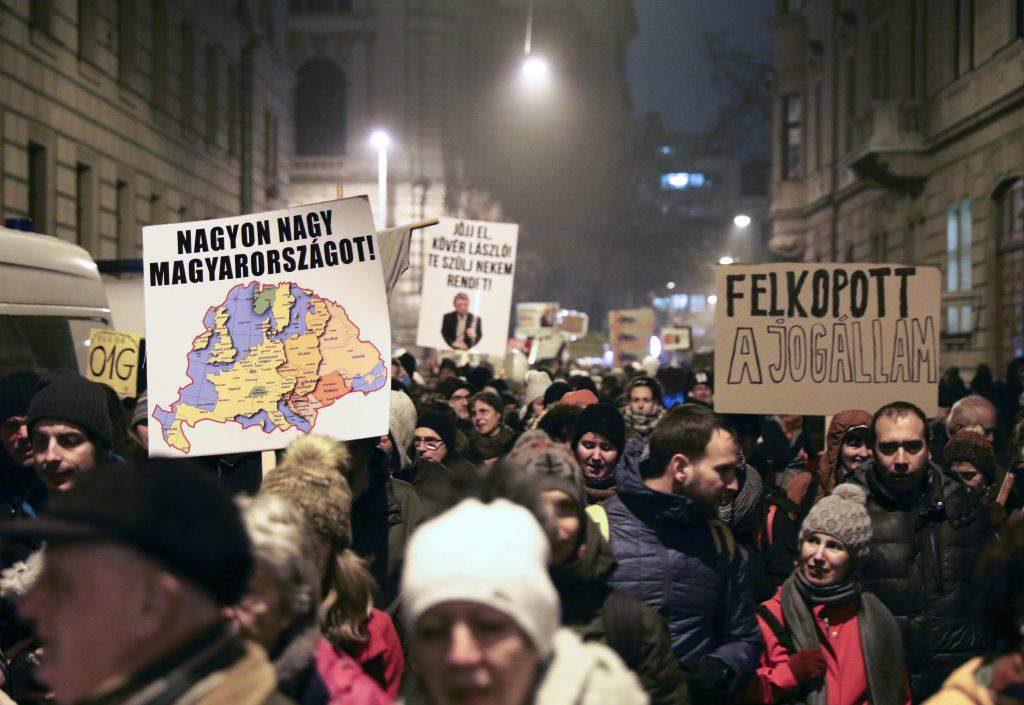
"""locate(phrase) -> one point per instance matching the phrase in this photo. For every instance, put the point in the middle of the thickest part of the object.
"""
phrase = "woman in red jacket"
(827, 641)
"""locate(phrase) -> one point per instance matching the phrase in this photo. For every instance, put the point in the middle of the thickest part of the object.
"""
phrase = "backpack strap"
(768, 521)
(809, 496)
(780, 630)
(624, 628)
(600, 517)
(725, 542)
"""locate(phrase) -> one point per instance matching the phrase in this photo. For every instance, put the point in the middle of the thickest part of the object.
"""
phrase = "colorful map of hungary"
(271, 355)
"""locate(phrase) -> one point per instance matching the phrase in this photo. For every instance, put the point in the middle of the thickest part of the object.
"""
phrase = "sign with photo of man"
(467, 282)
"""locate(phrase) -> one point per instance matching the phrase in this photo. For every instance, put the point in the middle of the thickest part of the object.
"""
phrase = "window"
(964, 37)
(881, 61)
(212, 93)
(270, 154)
(88, 31)
(126, 61)
(851, 97)
(792, 137)
(186, 85)
(320, 109)
(84, 205)
(958, 248)
(679, 180)
(959, 265)
(123, 205)
(40, 15)
(233, 115)
(1011, 270)
(158, 40)
(818, 119)
(37, 187)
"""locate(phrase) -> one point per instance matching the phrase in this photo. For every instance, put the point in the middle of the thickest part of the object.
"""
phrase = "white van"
(51, 296)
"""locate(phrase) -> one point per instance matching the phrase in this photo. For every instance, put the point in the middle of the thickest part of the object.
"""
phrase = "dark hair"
(687, 429)
(999, 588)
(489, 398)
(896, 410)
(448, 364)
(649, 382)
(578, 382)
(559, 421)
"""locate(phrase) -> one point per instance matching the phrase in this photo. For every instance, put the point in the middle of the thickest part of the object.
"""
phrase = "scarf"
(641, 425)
(831, 595)
(748, 498)
(880, 639)
(496, 445)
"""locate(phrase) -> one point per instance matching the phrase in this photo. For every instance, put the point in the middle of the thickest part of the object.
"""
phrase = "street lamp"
(741, 221)
(726, 260)
(381, 140)
(670, 286)
(535, 70)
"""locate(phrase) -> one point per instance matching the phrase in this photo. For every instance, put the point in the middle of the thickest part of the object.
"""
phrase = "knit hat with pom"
(310, 477)
(844, 516)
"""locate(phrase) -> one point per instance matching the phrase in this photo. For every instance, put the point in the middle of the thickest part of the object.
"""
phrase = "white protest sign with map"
(262, 328)
(468, 274)
(822, 338)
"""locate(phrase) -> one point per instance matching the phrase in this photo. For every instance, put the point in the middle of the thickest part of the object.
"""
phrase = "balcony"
(888, 146)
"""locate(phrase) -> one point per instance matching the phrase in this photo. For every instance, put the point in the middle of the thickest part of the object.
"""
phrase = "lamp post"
(741, 221)
(535, 68)
(380, 140)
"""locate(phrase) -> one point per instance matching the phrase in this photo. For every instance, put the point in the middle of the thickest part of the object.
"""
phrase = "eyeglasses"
(428, 443)
(893, 447)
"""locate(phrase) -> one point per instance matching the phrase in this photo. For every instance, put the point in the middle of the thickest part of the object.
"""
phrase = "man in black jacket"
(928, 532)
(460, 328)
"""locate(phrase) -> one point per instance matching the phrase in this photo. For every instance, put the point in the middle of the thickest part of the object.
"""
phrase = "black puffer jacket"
(584, 592)
(923, 556)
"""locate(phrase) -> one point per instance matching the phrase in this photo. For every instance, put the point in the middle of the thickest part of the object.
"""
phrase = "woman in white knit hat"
(484, 618)
(827, 641)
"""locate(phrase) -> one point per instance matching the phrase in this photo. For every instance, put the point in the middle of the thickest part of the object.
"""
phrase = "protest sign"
(629, 332)
(467, 285)
(821, 338)
(575, 324)
(114, 360)
(535, 317)
(675, 338)
(265, 327)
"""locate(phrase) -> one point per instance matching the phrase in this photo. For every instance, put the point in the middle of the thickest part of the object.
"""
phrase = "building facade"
(116, 114)
(898, 136)
(119, 114)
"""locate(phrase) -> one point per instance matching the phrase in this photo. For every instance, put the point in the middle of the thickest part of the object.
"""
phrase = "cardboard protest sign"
(467, 285)
(114, 360)
(821, 338)
(535, 317)
(675, 338)
(265, 327)
(629, 332)
(575, 323)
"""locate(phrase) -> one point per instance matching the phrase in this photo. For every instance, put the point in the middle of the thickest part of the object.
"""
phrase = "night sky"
(667, 68)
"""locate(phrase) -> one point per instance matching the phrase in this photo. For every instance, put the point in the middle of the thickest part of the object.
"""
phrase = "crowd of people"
(576, 536)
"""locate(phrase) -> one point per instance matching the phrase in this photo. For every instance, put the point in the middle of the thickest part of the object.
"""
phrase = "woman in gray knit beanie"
(828, 641)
